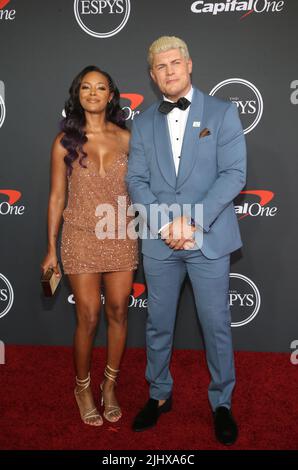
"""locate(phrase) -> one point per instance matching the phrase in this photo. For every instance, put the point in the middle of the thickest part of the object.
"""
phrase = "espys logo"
(6, 295)
(2, 103)
(246, 96)
(135, 299)
(9, 207)
(258, 205)
(102, 18)
(135, 101)
(251, 6)
(6, 14)
(244, 299)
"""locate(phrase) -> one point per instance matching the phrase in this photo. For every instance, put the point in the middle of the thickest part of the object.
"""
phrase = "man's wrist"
(162, 228)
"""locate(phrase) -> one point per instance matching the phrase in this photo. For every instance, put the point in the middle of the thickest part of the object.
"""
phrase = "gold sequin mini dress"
(96, 225)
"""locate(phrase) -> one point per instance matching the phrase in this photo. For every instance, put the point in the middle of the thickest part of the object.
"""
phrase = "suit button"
(178, 192)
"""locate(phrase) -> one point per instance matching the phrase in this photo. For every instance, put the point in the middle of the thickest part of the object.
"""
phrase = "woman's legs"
(117, 286)
(86, 290)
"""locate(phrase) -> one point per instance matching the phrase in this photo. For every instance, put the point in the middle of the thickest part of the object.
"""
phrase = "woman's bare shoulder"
(57, 146)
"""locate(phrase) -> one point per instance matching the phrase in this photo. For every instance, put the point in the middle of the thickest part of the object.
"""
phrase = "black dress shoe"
(225, 426)
(148, 416)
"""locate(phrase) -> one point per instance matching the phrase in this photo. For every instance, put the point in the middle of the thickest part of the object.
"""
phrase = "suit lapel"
(163, 148)
(189, 151)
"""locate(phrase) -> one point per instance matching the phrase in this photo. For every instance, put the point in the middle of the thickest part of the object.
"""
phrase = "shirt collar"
(188, 96)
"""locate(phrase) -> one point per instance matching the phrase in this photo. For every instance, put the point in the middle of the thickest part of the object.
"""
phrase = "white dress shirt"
(177, 119)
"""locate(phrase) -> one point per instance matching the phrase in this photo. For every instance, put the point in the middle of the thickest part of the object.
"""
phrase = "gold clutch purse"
(50, 282)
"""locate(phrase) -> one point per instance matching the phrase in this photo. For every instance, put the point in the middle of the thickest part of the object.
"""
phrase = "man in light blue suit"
(187, 152)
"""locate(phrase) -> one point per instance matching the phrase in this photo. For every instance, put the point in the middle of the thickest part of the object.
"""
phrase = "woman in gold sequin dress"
(89, 163)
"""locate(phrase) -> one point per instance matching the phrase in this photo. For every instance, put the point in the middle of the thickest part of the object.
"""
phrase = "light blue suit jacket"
(212, 172)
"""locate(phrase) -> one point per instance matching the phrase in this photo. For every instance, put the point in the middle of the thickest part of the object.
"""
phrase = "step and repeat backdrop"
(243, 51)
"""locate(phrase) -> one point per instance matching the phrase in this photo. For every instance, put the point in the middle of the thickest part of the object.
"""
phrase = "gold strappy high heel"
(110, 409)
(83, 384)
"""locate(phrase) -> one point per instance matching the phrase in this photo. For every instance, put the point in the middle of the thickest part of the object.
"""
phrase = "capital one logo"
(2, 103)
(8, 206)
(257, 204)
(5, 13)
(102, 18)
(230, 6)
(6, 295)
(246, 96)
(134, 101)
(135, 299)
(244, 299)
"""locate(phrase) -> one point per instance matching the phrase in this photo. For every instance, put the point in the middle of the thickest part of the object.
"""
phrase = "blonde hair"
(165, 43)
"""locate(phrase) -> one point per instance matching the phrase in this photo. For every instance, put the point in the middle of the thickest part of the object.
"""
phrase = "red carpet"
(38, 410)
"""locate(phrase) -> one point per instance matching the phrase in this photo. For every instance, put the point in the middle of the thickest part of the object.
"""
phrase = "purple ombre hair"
(73, 124)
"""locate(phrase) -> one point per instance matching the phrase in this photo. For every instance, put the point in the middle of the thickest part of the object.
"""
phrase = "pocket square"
(204, 132)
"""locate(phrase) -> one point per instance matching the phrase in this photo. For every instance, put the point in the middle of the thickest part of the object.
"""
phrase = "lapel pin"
(196, 124)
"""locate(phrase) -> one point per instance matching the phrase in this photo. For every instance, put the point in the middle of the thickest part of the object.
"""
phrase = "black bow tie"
(166, 106)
